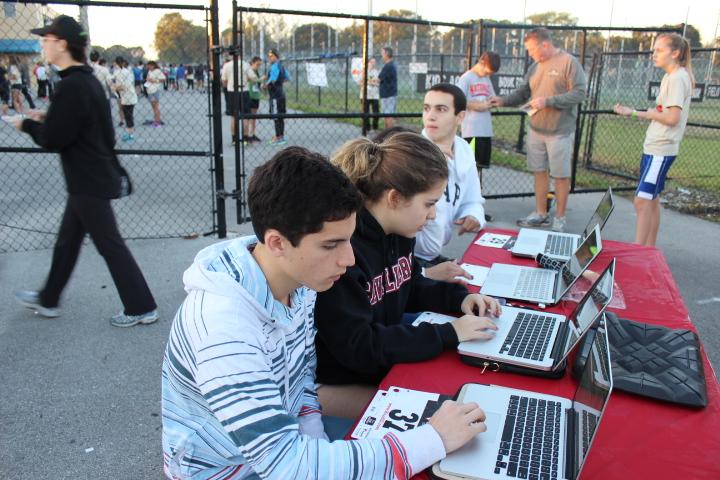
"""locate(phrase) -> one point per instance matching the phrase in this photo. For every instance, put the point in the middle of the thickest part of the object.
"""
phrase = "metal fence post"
(366, 55)
(217, 120)
(579, 121)
(521, 130)
(347, 81)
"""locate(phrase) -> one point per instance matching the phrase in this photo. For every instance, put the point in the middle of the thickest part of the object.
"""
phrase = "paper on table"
(478, 273)
(369, 420)
(494, 240)
(432, 317)
(397, 409)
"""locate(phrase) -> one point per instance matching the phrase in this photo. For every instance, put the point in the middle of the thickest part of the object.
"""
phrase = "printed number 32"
(396, 415)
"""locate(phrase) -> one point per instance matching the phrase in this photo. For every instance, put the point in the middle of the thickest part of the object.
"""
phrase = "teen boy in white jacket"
(462, 205)
(238, 386)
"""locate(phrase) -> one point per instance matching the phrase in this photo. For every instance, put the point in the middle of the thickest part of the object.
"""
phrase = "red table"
(638, 437)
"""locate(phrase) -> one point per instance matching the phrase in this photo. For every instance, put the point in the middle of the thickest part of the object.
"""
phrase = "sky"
(133, 27)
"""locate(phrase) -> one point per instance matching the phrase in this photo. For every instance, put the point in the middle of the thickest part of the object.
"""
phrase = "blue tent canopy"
(8, 45)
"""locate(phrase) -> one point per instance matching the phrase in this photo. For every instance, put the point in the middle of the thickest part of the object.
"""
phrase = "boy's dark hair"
(459, 100)
(94, 56)
(77, 52)
(491, 60)
(255, 59)
(296, 191)
(383, 135)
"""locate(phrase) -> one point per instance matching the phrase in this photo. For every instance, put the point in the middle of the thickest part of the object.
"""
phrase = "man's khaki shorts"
(550, 152)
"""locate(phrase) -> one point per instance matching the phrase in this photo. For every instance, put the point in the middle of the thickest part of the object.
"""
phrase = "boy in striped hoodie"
(238, 386)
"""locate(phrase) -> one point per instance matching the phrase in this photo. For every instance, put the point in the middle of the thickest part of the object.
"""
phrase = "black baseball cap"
(65, 28)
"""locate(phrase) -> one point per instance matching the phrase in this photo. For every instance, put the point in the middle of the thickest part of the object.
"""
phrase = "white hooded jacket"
(462, 198)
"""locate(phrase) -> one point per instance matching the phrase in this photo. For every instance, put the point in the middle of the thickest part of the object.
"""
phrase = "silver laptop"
(532, 435)
(542, 285)
(530, 241)
(540, 340)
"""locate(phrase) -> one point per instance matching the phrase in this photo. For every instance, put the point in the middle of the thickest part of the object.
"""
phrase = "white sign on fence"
(419, 67)
(316, 74)
(356, 69)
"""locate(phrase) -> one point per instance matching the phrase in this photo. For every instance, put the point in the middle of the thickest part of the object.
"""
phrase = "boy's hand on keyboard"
(477, 304)
(471, 327)
(458, 423)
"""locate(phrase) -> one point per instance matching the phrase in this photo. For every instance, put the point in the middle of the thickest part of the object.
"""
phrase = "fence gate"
(328, 57)
(171, 163)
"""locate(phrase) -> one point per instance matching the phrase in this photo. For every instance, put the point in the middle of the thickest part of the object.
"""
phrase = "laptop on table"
(539, 340)
(532, 435)
(530, 241)
(542, 285)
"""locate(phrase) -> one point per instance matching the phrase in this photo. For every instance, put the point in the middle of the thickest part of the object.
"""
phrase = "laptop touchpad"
(492, 422)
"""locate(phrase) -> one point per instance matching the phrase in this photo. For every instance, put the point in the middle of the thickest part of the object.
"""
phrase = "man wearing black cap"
(78, 125)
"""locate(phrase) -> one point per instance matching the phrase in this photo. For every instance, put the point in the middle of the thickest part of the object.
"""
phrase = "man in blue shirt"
(274, 85)
(388, 86)
(138, 77)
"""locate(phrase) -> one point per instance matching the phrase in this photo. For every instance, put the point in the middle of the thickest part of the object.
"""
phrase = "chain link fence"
(613, 144)
(169, 156)
(333, 62)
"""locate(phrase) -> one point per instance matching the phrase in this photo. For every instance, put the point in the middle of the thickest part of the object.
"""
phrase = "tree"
(692, 34)
(178, 40)
(319, 37)
(131, 54)
(552, 18)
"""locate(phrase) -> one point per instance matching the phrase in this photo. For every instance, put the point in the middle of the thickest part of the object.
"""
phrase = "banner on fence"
(426, 80)
(697, 95)
(506, 84)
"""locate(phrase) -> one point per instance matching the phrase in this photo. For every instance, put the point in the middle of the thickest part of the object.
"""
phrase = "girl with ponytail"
(361, 333)
(667, 126)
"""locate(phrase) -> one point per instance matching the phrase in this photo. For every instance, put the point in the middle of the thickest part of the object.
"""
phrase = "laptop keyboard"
(602, 351)
(559, 245)
(529, 336)
(590, 422)
(531, 439)
(534, 283)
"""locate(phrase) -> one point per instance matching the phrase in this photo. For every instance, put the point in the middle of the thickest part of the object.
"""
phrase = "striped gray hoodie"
(238, 386)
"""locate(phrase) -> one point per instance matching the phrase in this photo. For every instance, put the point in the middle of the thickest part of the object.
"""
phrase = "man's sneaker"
(123, 320)
(255, 138)
(148, 122)
(31, 300)
(534, 220)
(558, 224)
(156, 124)
(280, 141)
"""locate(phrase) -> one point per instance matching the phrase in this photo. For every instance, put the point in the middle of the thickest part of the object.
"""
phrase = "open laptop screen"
(585, 253)
(590, 400)
(590, 307)
(602, 213)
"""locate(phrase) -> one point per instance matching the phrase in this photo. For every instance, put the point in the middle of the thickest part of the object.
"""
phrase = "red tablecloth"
(638, 437)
